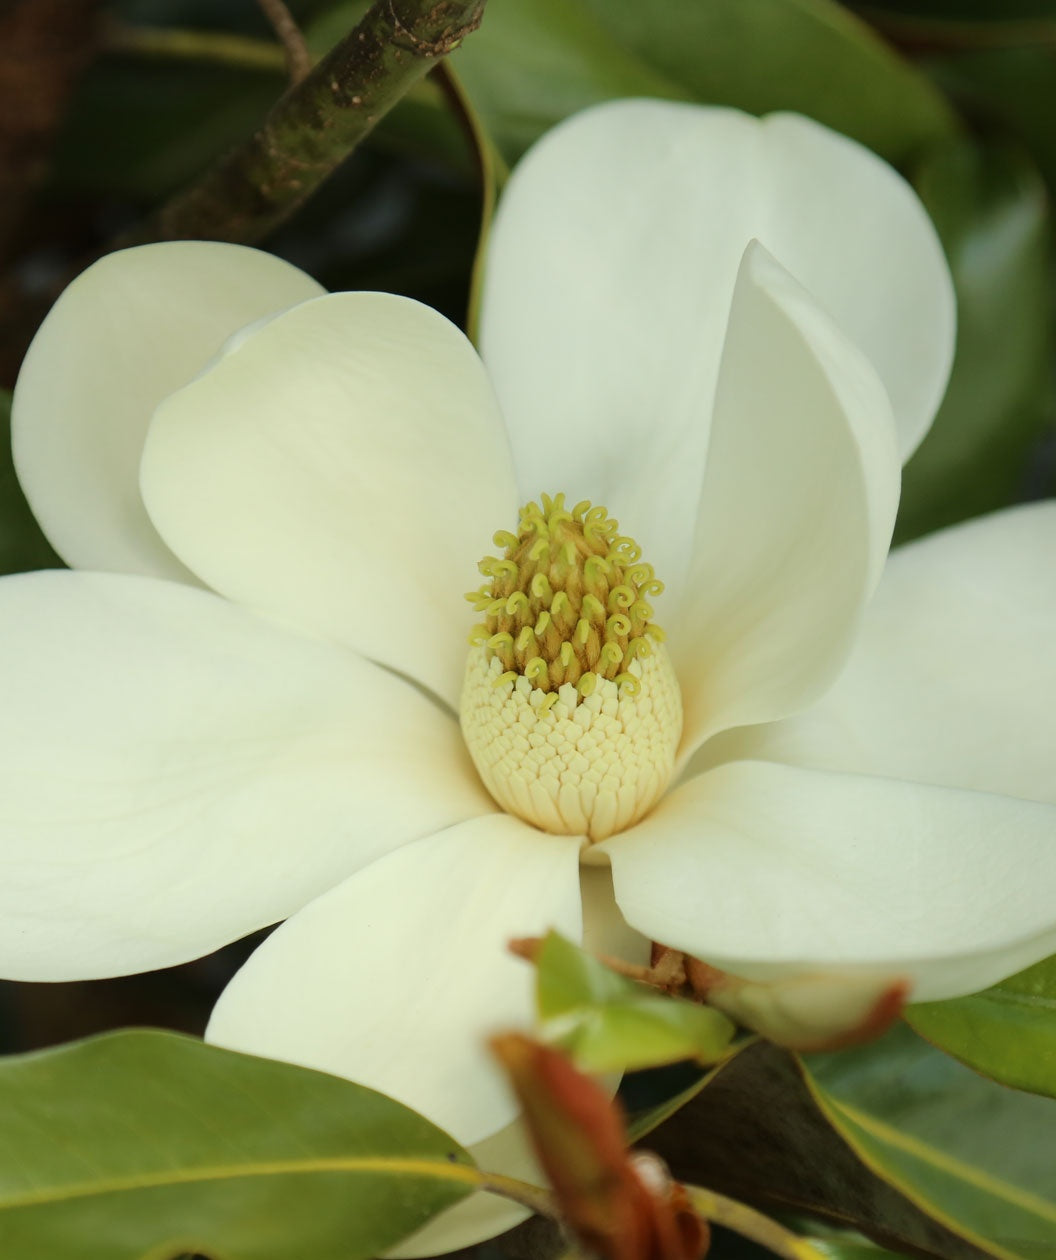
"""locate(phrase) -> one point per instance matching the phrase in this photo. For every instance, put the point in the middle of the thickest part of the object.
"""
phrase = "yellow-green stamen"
(568, 602)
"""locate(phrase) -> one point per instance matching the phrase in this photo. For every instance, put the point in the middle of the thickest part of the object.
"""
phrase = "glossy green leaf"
(145, 1143)
(788, 1157)
(608, 1023)
(1008, 1032)
(823, 1140)
(22, 545)
(535, 61)
(981, 1156)
(992, 213)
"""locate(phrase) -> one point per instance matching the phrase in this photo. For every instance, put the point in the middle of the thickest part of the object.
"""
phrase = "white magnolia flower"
(243, 704)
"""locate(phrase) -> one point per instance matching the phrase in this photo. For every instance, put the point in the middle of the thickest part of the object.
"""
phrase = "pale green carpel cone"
(570, 706)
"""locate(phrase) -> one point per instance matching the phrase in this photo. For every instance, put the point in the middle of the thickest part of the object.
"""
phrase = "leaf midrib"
(466, 1174)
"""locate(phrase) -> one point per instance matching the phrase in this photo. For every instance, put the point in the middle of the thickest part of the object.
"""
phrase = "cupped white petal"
(611, 266)
(344, 469)
(766, 871)
(396, 977)
(135, 326)
(798, 503)
(481, 1215)
(953, 678)
(176, 772)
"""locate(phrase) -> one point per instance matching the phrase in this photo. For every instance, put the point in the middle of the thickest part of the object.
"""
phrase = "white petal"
(396, 977)
(176, 772)
(953, 678)
(610, 271)
(798, 503)
(768, 871)
(605, 930)
(343, 469)
(132, 328)
(482, 1215)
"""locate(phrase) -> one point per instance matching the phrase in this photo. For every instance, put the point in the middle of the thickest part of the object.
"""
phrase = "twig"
(540, 1201)
(315, 126)
(298, 58)
(751, 1224)
(492, 172)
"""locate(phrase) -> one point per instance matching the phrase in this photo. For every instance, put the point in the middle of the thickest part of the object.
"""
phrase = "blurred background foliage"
(132, 99)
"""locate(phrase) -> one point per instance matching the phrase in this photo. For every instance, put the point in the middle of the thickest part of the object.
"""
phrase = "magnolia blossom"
(243, 704)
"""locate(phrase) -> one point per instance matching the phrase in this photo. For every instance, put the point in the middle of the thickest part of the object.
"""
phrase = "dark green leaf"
(22, 545)
(991, 211)
(1008, 1032)
(765, 1130)
(535, 61)
(145, 1142)
(608, 1023)
(981, 1154)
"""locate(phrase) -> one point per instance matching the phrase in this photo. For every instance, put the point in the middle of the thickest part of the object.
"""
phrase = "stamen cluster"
(567, 602)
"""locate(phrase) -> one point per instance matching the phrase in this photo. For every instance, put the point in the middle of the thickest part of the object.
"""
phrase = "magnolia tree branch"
(315, 126)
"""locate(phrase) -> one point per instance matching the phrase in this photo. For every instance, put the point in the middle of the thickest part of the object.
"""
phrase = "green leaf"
(991, 211)
(533, 62)
(22, 545)
(818, 1139)
(1008, 1032)
(971, 1152)
(145, 1143)
(608, 1023)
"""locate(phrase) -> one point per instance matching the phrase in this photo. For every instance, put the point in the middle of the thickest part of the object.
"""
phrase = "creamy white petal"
(396, 977)
(605, 930)
(135, 326)
(175, 772)
(343, 469)
(798, 502)
(482, 1215)
(611, 266)
(953, 678)
(766, 871)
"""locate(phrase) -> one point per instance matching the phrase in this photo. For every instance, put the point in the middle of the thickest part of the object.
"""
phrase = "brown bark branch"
(315, 126)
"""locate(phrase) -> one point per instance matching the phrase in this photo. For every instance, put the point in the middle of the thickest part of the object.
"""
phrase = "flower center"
(570, 707)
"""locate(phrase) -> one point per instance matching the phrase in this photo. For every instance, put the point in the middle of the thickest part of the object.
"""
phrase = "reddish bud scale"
(613, 1210)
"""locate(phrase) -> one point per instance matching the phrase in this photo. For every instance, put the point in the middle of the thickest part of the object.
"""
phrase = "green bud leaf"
(608, 1023)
